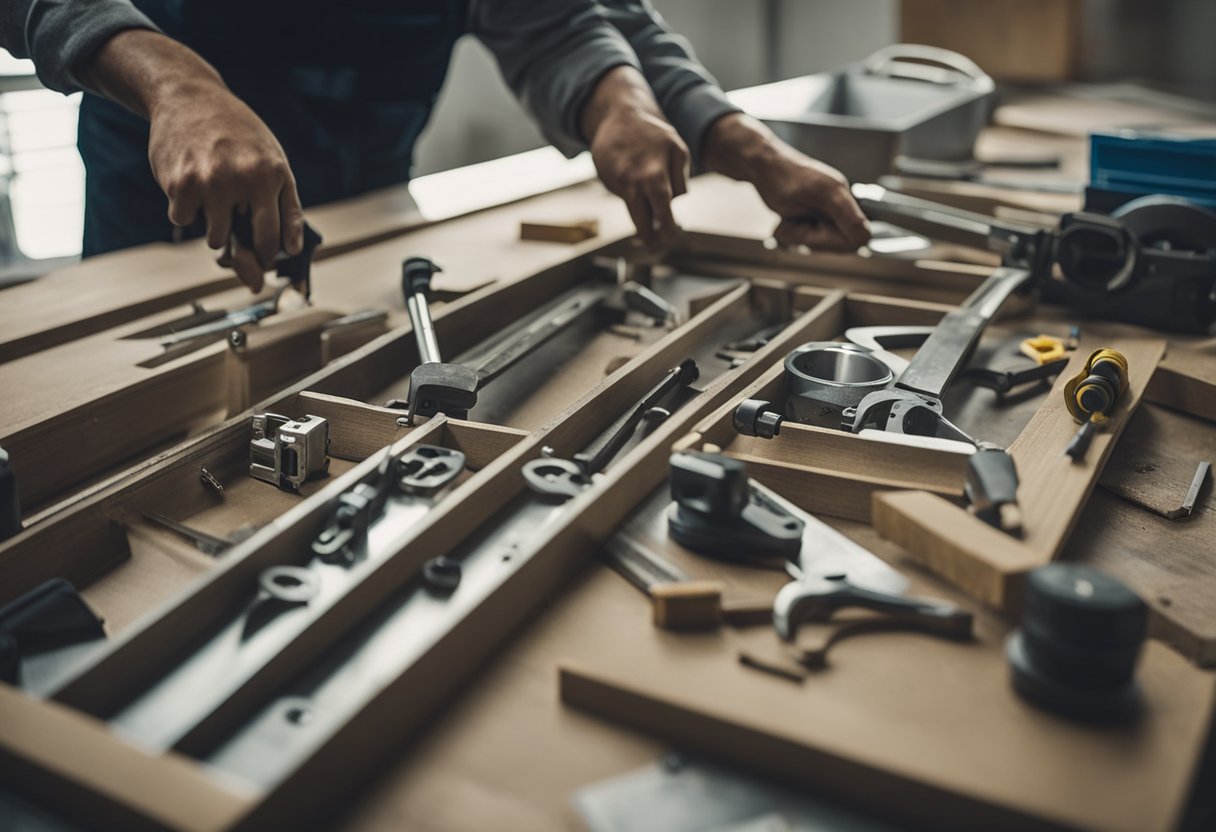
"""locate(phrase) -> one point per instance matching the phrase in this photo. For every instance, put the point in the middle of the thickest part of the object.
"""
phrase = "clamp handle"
(817, 599)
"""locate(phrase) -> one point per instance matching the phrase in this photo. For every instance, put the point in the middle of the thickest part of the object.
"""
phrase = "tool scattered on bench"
(365, 525)
(297, 268)
(991, 488)
(756, 417)
(451, 388)
(1152, 262)
(1009, 382)
(37, 628)
(1092, 394)
(421, 471)
(1192, 493)
(1080, 638)
(287, 452)
(10, 504)
(720, 513)
(559, 480)
(206, 543)
(435, 386)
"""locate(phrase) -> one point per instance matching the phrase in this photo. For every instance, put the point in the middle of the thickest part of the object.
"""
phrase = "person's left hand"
(813, 199)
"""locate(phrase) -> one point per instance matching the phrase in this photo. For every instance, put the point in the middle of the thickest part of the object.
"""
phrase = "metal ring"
(290, 584)
(825, 377)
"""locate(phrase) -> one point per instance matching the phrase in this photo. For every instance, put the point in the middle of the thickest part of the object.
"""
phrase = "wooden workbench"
(507, 753)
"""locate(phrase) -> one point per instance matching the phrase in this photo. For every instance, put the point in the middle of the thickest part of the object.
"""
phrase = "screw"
(236, 339)
(210, 481)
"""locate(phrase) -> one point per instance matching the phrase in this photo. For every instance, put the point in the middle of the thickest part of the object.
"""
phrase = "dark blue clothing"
(345, 85)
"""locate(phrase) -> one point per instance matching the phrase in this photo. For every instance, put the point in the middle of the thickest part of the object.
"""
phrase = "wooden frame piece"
(990, 565)
(826, 471)
(427, 682)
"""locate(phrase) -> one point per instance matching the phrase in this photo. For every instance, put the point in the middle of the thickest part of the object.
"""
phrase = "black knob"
(1081, 635)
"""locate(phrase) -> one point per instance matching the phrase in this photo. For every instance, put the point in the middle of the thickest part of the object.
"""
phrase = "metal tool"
(1092, 394)
(1005, 382)
(365, 525)
(913, 404)
(286, 452)
(645, 301)
(208, 544)
(220, 327)
(716, 513)
(451, 388)
(435, 386)
(1152, 262)
(833, 572)
(1192, 493)
(755, 417)
(562, 479)
(992, 489)
(421, 471)
(297, 268)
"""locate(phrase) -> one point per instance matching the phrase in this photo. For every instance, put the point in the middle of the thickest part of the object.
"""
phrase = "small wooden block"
(690, 605)
(553, 232)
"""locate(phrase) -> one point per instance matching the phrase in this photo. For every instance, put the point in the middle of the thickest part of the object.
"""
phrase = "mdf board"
(146, 646)
(1011, 40)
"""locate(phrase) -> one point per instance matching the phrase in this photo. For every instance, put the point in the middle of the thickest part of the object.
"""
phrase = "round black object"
(442, 574)
(1081, 636)
(1162, 221)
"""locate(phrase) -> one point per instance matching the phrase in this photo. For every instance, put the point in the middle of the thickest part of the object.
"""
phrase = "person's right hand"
(210, 152)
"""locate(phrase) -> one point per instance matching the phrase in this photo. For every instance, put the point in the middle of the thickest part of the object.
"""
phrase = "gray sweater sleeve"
(688, 95)
(552, 53)
(58, 34)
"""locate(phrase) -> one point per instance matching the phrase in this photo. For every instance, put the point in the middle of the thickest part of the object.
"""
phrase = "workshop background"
(1164, 43)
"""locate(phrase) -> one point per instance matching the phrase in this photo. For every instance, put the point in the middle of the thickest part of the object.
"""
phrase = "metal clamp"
(287, 452)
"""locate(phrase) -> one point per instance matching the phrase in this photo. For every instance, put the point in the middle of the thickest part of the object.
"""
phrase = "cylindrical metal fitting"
(825, 377)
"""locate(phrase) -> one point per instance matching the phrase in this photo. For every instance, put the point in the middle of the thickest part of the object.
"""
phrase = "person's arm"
(812, 198)
(581, 82)
(207, 149)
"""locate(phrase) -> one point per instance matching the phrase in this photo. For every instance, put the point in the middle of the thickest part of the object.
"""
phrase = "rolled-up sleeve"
(688, 95)
(552, 53)
(59, 34)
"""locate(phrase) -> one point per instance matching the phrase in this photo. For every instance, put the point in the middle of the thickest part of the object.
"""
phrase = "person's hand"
(638, 155)
(209, 152)
(813, 199)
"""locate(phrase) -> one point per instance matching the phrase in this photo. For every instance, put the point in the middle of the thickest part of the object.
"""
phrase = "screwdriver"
(1092, 394)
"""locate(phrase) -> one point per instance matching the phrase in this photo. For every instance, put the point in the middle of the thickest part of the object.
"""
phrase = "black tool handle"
(295, 267)
(597, 455)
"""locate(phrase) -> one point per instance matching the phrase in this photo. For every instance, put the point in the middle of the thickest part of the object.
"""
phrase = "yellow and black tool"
(1092, 394)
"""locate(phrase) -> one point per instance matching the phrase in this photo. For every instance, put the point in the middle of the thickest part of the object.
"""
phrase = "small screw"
(210, 481)
(441, 574)
(236, 339)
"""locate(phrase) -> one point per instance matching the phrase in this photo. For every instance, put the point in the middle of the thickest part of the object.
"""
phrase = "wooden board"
(989, 564)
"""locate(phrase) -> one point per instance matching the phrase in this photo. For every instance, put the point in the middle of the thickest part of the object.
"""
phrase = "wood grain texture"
(1052, 492)
(1185, 380)
(1053, 488)
(77, 765)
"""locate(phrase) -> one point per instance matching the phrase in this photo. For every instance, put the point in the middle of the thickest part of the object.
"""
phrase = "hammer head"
(442, 388)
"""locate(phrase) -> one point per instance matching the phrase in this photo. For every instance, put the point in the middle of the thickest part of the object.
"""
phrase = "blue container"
(1137, 162)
